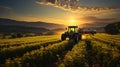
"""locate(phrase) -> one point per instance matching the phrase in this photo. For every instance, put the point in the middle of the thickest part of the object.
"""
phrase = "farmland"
(100, 50)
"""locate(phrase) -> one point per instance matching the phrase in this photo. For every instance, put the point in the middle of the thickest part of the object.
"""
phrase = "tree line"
(113, 28)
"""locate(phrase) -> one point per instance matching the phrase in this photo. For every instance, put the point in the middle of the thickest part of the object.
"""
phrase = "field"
(100, 50)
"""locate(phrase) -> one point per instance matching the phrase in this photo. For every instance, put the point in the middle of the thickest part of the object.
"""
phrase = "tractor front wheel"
(63, 37)
(76, 38)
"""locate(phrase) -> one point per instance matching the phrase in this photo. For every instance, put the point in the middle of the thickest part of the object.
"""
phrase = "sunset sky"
(61, 11)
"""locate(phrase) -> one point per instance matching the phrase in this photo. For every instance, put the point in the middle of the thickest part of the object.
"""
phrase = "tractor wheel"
(76, 38)
(63, 37)
(80, 36)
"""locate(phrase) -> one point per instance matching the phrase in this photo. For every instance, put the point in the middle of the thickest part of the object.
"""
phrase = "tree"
(113, 28)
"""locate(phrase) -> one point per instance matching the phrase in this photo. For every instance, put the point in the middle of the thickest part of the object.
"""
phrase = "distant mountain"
(50, 26)
(14, 26)
(21, 29)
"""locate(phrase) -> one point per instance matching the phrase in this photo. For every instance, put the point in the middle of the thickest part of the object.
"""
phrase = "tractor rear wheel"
(80, 36)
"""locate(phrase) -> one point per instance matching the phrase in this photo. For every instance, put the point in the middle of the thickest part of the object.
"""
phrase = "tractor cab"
(72, 29)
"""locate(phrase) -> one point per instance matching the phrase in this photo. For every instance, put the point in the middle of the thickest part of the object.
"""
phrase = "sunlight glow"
(72, 21)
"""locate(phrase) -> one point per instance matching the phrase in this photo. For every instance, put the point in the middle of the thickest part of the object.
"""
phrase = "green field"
(100, 50)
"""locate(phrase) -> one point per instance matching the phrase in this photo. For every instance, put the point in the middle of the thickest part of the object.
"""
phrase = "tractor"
(72, 33)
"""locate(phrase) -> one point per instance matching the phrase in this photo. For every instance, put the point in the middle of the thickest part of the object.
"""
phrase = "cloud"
(6, 11)
(92, 19)
(73, 5)
(5, 7)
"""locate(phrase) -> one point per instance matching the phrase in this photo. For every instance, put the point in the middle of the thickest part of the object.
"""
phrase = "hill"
(39, 24)
(21, 29)
(14, 26)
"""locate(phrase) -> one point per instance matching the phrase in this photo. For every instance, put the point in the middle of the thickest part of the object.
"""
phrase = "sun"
(72, 22)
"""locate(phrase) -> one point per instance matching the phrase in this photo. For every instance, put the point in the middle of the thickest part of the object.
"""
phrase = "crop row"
(91, 53)
(108, 42)
(20, 42)
(42, 57)
(110, 38)
(27, 39)
(108, 35)
(20, 50)
(75, 57)
(100, 54)
(16, 44)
